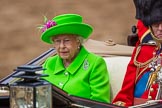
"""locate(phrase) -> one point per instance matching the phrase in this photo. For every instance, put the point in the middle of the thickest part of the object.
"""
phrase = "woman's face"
(67, 46)
(157, 30)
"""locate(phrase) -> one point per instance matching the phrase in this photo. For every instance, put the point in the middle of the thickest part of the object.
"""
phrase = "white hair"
(81, 39)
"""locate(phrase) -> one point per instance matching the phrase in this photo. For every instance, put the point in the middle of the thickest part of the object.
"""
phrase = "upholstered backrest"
(117, 66)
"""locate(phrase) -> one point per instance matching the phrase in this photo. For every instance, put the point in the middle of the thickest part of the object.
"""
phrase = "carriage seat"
(116, 66)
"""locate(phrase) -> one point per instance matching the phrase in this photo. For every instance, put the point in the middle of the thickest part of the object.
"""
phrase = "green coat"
(86, 76)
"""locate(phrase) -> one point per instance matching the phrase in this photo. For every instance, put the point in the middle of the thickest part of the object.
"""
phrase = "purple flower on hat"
(48, 24)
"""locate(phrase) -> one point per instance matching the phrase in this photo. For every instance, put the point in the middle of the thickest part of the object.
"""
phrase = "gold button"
(149, 97)
(154, 82)
(151, 89)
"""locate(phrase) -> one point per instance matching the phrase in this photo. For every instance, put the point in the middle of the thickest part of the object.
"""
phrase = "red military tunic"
(142, 54)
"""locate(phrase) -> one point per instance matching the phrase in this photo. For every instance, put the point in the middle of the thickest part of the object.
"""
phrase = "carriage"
(117, 58)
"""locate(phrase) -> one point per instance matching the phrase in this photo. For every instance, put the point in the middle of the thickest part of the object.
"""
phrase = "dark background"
(20, 39)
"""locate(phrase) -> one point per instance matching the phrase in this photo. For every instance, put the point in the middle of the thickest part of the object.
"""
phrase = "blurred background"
(20, 38)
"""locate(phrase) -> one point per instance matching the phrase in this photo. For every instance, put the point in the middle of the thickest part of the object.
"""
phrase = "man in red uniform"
(142, 72)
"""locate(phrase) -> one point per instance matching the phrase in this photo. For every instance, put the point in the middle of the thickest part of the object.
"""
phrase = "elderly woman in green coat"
(74, 69)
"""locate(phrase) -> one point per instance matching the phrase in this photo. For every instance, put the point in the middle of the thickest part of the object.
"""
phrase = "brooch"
(85, 65)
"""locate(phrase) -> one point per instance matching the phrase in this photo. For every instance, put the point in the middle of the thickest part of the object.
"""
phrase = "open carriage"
(117, 58)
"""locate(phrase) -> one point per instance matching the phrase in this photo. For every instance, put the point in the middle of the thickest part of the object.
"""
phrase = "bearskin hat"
(138, 5)
(149, 11)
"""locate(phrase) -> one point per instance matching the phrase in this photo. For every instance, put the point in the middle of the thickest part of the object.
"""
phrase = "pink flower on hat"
(48, 24)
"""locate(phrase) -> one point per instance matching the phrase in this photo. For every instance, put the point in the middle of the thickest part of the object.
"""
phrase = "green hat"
(65, 24)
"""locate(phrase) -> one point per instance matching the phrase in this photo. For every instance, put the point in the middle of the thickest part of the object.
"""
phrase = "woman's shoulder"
(95, 57)
(89, 53)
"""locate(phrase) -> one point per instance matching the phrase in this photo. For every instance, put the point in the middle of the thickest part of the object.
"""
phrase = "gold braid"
(140, 64)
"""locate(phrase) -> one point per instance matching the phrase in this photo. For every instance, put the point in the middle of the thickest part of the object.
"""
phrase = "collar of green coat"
(73, 67)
